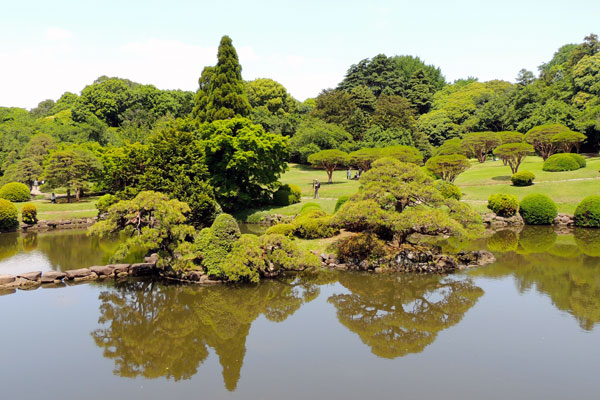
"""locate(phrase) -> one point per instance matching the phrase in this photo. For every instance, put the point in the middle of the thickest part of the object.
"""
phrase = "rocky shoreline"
(72, 223)
(491, 220)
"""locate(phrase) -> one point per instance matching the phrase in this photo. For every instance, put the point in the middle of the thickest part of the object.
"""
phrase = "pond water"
(526, 327)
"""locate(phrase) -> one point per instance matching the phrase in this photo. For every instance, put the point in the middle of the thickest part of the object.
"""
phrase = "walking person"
(316, 186)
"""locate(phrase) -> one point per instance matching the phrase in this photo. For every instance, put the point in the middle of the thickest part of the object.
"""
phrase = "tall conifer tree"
(221, 93)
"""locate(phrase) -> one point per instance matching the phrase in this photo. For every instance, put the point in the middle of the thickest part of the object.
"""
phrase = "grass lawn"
(47, 211)
(567, 189)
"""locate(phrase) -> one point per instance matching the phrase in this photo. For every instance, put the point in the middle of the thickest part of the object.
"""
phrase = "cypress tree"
(221, 93)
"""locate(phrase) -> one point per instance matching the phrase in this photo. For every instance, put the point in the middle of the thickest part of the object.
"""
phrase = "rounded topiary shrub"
(340, 202)
(579, 158)
(310, 206)
(9, 215)
(15, 191)
(287, 194)
(448, 190)
(538, 209)
(561, 162)
(281, 229)
(314, 224)
(503, 205)
(587, 213)
(522, 178)
(29, 214)
(104, 202)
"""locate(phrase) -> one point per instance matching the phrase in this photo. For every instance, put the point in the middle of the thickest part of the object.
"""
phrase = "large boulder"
(82, 273)
(52, 276)
(31, 276)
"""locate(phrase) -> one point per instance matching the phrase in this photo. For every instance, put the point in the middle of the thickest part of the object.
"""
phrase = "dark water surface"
(526, 327)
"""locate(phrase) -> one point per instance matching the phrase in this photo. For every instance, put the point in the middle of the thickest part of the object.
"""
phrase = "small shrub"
(448, 190)
(587, 213)
(286, 195)
(214, 243)
(29, 214)
(360, 247)
(281, 229)
(340, 202)
(104, 202)
(314, 224)
(538, 209)
(522, 178)
(15, 192)
(579, 158)
(503, 205)
(310, 206)
(9, 215)
(561, 162)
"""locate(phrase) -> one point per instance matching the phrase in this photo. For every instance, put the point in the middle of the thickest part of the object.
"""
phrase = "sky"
(50, 47)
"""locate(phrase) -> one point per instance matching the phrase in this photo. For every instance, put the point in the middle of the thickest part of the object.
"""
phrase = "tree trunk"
(68, 195)
(77, 194)
(330, 175)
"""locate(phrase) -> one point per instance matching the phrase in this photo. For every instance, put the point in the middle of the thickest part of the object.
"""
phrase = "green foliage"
(407, 154)
(151, 222)
(215, 243)
(537, 209)
(503, 205)
(561, 162)
(448, 190)
(567, 140)
(448, 167)
(25, 170)
(72, 169)
(221, 94)
(587, 213)
(309, 207)
(9, 216)
(244, 162)
(340, 202)
(451, 146)
(540, 137)
(480, 144)
(510, 137)
(314, 135)
(15, 191)
(579, 158)
(287, 194)
(281, 229)
(329, 160)
(314, 224)
(522, 178)
(266, 255)
(363, 246)
(104, 202)
(29, 214)
(513, 154)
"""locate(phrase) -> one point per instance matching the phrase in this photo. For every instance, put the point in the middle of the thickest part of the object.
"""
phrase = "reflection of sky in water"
(25, 262)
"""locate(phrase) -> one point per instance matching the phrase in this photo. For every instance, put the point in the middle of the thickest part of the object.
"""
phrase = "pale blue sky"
(49, 47)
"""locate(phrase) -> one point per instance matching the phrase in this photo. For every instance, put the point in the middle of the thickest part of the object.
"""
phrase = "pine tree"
(420, 92)
(221, 93)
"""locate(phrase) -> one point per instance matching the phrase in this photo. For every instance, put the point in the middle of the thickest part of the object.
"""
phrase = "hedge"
(562, 162)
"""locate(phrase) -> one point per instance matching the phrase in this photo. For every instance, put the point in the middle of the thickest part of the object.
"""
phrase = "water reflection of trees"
(400, 314)
(155, 330)
(565, 267)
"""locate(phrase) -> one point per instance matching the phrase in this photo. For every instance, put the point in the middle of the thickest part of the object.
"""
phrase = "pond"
(524, 327)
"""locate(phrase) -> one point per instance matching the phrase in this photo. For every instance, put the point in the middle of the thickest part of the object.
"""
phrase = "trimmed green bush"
(281, 229)
(360, 247)
(15, 191)
(340, 202)
(503, 205)
(9, 215)
(579, 158)
(29, 214)
(538, 209)
(310, 206)
(448, 190)
(587, 213)
(522, 178)
(561, 162)
(287, 194)
(104, 202)
(314, 224)
(214, 243)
